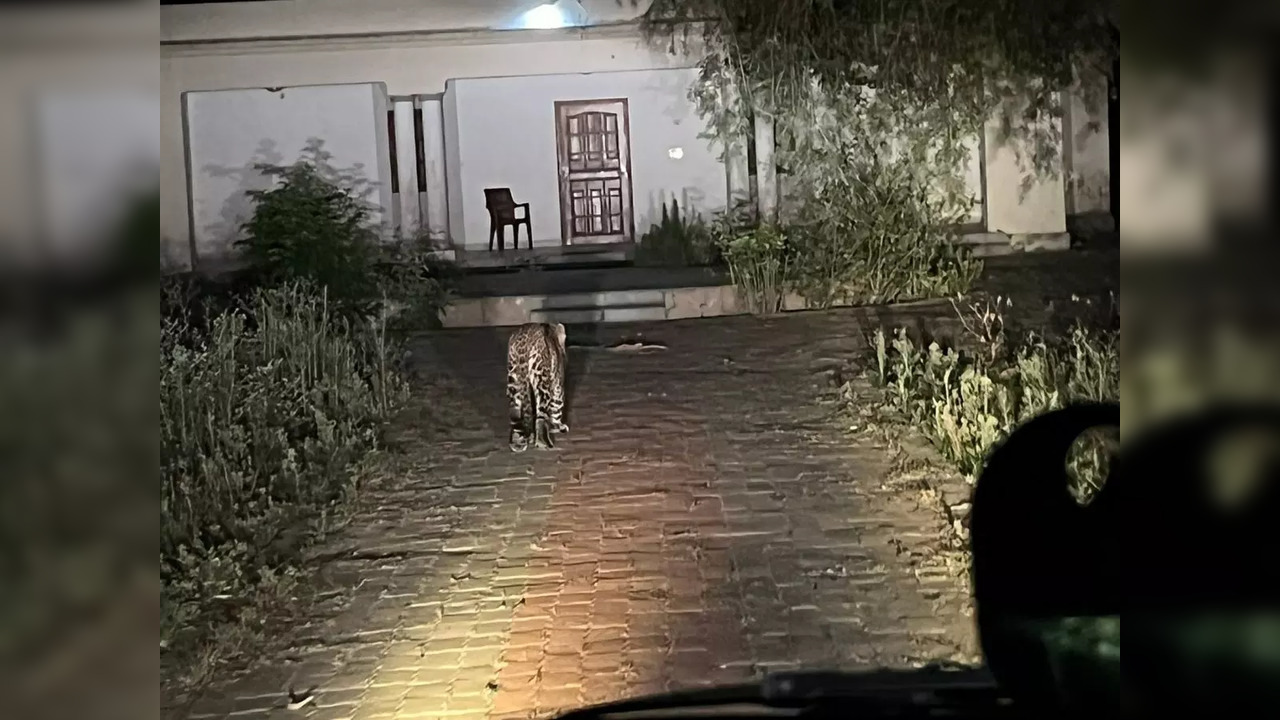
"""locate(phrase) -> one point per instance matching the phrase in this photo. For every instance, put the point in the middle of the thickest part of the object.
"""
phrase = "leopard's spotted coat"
(535, 384)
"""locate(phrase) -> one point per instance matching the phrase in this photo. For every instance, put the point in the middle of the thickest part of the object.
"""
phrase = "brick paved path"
(706, 519)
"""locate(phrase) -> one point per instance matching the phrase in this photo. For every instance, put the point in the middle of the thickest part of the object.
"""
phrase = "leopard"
(535, 385)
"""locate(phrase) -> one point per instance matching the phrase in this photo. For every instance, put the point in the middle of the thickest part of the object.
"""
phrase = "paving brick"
(705, 520)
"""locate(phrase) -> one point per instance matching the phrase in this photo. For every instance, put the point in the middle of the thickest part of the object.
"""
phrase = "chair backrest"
(499, 202)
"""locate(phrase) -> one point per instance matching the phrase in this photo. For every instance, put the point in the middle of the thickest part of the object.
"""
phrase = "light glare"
(544, 17)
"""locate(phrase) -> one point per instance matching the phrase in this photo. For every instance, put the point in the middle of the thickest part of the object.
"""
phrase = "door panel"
(593, 143)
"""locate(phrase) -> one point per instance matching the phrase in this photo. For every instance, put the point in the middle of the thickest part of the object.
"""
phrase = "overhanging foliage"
(949, 64)
(877, 110)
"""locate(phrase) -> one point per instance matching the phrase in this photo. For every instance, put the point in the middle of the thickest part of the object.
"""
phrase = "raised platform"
(589, 295)
(611, 254)
(598, 284)
(996, 244)
(619, 255)
(607, 306)
(628, 294)
(566, 280)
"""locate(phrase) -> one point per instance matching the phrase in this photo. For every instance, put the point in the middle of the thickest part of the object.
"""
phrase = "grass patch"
(269, 414)
(969, 397)
(275, 384)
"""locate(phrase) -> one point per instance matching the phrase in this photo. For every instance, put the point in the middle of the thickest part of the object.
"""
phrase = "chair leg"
(528, 230)
(493, 232)
(502, 238)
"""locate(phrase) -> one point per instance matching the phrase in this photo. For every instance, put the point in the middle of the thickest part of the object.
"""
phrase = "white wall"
(505, 136)
(973, 180)
(1012, 207)
(406, 66)
(435, 201)
(1086, 150)
(231, 130)
(452, 161)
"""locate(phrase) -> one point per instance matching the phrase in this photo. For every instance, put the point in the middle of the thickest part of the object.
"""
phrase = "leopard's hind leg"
(542, 424)
(542, 434)
(520, 413)
(555, 403)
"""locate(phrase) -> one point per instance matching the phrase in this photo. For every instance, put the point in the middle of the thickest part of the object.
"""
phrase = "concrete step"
(578, 281)
(607, 298)
(995, 244)
(590, 315)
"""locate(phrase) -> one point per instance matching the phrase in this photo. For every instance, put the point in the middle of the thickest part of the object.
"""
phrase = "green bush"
(965, 401)
(307, 226)
(314, 225)
(877, 235)
(906, 85)
(677, 241)
(264, 420)
(873, 241)
(415, 283)
(758, 263)
(879, 112)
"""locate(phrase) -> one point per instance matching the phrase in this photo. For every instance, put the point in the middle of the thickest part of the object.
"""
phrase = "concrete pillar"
(973, 183)
(766, 168)
(410, 217)
(437, 198)
(737, 169)
(1086, 154)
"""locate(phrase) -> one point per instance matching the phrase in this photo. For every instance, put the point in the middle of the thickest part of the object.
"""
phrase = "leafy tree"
(877, 108)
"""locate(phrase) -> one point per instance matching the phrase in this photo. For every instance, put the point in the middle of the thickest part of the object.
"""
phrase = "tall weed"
(264, 422)
(758, 264)
(876, 235)
(967, 400)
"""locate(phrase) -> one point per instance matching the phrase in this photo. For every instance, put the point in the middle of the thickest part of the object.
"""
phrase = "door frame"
(566, 212)
(1113, 139)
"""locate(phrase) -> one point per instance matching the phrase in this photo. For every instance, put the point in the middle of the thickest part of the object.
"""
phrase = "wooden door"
(593, 143)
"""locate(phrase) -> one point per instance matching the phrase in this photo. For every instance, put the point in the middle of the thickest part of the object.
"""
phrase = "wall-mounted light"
(543, 17)
(675, 153)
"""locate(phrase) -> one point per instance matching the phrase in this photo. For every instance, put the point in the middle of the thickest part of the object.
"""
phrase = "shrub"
(677, 241)
(308, 227)
(758, 263)
(877, 237)
(314, 225)
(967, 400)
(879, 244)
(877, 110)
(415, 282)
(263, 421)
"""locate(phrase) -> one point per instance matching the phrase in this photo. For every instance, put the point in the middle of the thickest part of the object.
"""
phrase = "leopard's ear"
(560, 334)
